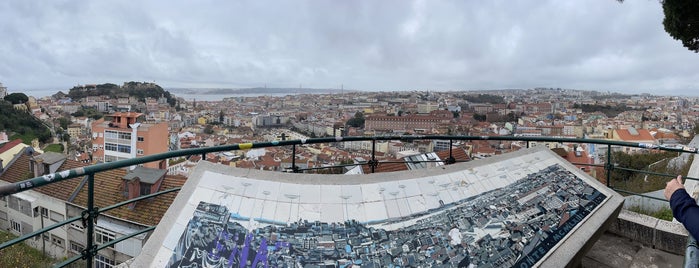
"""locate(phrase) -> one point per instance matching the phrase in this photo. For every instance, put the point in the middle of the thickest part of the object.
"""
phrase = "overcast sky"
(367, 45)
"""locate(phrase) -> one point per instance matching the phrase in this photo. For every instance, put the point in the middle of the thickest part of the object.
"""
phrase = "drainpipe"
(134, 139)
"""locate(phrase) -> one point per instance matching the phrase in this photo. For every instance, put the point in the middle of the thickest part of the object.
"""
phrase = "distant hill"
(141, 90)
(257, 91)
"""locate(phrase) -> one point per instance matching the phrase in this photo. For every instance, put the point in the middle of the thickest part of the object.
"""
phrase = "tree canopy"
(140, 90)
(484, 98)
(21, 124)
(682, 22)
(357, 120)
(17, 98)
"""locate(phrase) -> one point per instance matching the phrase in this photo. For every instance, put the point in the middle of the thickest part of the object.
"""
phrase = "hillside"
(20, 124)
(141, 90)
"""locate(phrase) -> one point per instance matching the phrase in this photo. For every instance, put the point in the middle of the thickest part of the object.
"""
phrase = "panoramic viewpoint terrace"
(543, 174)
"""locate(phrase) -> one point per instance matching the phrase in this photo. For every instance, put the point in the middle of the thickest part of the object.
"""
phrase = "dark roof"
(459, 155)
(51, 157)
(144, 174)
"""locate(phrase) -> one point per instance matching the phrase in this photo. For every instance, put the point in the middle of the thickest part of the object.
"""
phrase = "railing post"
(609, 166)
(89, 217)
(373, 163)
(203, 156)
(294, 168)
(451, 159)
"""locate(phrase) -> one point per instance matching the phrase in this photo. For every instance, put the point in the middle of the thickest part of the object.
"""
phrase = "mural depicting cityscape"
(514, 225)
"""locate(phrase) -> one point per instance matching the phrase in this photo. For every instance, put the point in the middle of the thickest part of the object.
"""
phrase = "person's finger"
(679, 179)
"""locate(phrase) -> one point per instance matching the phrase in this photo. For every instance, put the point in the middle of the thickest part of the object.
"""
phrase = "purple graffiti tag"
(246, 249)
(234, 252)
(261, 254)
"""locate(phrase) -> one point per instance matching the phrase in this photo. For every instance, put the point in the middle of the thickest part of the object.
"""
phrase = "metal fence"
(89, 215)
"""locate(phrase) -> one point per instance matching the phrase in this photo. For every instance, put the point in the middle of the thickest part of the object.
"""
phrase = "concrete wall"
(659, 234)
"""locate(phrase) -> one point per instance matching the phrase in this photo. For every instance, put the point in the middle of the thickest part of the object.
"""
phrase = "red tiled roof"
(385, 167)
(643, 135)
(9, 145)
(109, 187)
(459, 155)
(19, 171)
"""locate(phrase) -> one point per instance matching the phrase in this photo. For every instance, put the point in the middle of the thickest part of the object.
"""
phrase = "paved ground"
(613, 251)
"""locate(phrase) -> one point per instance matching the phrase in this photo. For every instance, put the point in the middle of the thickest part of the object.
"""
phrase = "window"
(3, 215)
(145, 188)
(76, 247)
(103, 236)
(110, 146)
(15, 226)
(123, 148)
(44, 212)
(140, 139)
(104, 262)
(58, 241)
(124, 136)
(110, 158)
(77, 226)
(108, 134)
(13, 203)
(55, 216)
(139, 151)
(20, 205)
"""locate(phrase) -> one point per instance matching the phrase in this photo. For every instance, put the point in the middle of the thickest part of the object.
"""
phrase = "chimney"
(39, 167)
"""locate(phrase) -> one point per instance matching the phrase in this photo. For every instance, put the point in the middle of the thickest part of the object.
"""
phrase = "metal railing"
(89, 215)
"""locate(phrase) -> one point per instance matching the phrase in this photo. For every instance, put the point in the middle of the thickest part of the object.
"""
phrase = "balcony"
(627, 225)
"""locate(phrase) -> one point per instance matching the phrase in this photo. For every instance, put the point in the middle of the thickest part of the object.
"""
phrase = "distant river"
(218, 97)
(39, 93)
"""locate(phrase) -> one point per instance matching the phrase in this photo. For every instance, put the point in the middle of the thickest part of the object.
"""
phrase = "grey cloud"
(370, 45)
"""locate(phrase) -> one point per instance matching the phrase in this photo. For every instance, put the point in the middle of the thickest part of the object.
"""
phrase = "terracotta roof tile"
(459, 155)
(109, 188)
(19, 171)
(643, 135)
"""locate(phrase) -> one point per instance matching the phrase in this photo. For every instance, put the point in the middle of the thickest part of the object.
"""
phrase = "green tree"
(479, 117)
(66, 137)
(682, 22)
(17, 98)
(64, 122)
(209, 129)
(357, 120)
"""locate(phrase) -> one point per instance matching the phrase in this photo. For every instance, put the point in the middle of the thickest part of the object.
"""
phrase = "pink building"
(125, 135)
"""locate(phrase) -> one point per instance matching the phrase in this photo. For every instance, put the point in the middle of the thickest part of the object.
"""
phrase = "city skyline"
(384, 46)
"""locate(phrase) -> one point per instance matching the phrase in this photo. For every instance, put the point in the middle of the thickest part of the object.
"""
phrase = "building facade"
(126, 135)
